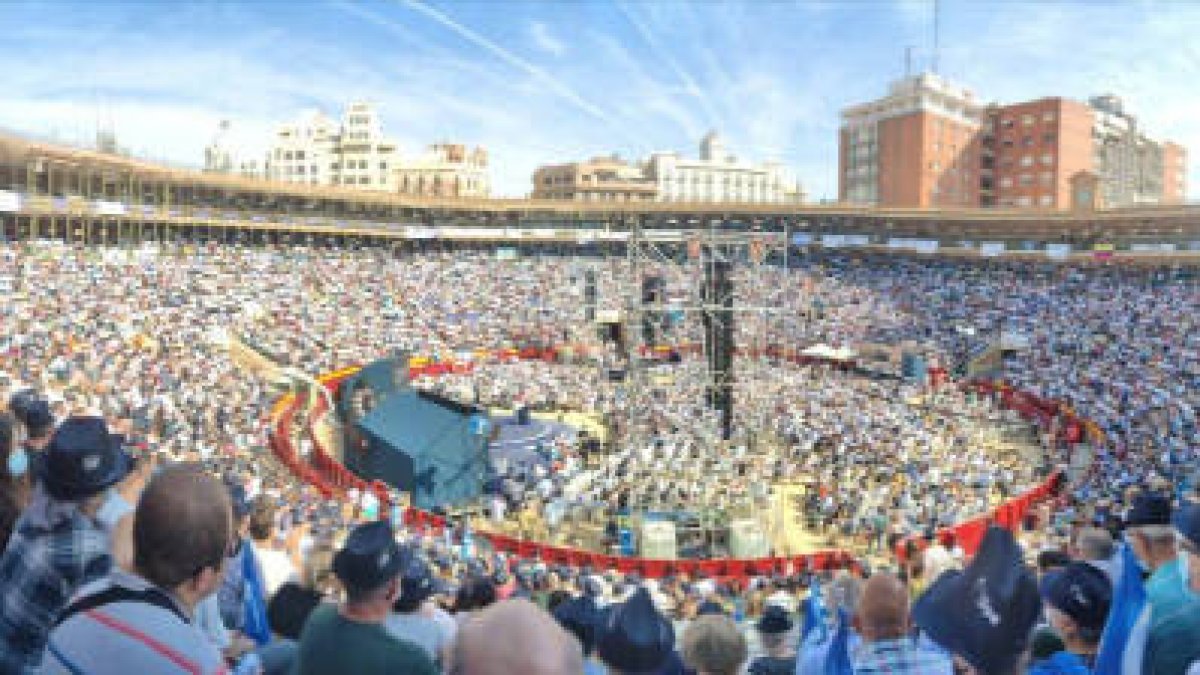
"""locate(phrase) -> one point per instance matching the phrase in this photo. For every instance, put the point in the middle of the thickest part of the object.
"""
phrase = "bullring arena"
(894, 375)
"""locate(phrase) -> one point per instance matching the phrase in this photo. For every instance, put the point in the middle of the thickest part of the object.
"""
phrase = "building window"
(299, 154)
(1027, 120)
(333, 167)
(1006, 182)
(1048, 138)
(1027, 160)
(383, 165)
(300, 169)
(1007, 123)
(1048, 116)
(287, 155)
(1024, 201)
(1027, 141)
(1046, 178)
(1047, 159)
(1046, 200)
(1026, 180)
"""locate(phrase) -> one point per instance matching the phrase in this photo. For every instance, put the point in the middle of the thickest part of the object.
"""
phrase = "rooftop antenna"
(908, 62)
(937, 7)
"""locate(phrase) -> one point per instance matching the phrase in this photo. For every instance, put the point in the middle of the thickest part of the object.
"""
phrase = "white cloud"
(544, 40)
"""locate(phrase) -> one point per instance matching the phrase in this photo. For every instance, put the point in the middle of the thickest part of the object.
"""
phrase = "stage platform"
(519, 443)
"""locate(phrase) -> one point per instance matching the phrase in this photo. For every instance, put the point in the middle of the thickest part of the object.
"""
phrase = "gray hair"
(844, 593)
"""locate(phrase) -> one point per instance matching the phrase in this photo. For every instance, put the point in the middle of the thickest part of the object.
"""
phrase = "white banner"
(991, 248)
(1144, 248)
(856, 240)
(833, 240)
(10, 202)
(415, 232)
(104, 208)
(1059, 251)
(802, 239)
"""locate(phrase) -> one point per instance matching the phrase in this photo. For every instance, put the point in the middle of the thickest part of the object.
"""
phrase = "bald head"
(182, 525)
(883, 608)
(516, 636)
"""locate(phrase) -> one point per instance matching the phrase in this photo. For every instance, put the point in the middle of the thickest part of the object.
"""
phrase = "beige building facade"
(353, 152)
(601, 179)
(714, 177)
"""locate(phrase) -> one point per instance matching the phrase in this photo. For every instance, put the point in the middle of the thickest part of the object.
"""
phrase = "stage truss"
(687, 262)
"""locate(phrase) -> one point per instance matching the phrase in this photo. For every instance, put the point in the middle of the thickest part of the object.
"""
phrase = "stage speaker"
(718, 322)
(589, 295)
(658, 540)
(652, 295)
(747, 539)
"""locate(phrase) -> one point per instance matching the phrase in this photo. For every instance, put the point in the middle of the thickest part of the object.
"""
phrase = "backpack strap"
(115, 594)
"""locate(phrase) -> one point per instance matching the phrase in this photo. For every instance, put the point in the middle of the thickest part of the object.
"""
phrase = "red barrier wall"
(330, 477)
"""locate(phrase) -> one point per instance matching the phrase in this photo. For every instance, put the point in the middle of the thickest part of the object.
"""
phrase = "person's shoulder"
(409, 657)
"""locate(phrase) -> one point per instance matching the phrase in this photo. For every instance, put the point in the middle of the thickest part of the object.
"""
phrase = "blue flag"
(815, 624)
(254, 603)
(1124, 638)
(838, 660)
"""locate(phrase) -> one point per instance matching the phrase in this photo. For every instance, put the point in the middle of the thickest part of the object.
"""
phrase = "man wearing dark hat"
(58, 544)
(351, 638)
(413, 618)
(774, 630)
(1149, 531)
(1077, 599)
(984, 614)
(635, 638)
(1174, 642)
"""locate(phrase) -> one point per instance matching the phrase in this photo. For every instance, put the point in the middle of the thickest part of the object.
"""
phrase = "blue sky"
(539, 82)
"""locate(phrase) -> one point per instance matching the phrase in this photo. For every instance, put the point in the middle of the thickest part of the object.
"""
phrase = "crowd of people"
(146, 525)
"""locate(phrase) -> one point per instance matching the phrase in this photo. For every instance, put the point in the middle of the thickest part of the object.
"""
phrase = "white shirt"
(277, 568)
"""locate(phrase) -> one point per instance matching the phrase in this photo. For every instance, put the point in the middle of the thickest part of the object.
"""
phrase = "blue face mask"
(18, 462)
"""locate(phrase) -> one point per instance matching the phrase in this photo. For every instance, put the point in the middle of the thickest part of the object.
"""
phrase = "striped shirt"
(130, 636)
(900, 656)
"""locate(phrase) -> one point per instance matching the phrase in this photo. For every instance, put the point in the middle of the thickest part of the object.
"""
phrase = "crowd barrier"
(331, 478)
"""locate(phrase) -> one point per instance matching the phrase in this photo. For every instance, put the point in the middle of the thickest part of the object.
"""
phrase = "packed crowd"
(123, 552)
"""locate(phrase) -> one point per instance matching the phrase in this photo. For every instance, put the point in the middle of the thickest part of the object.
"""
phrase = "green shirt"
(1165, 591)
(330, 643)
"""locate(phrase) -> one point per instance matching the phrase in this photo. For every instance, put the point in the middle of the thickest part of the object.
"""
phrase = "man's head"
(1149, 532)
(82, 461)
(883, 609)
(845, 591)
(368, 566)
(182, 531)
(516, 636)
(1187, 523)
(1077, 600)
(262, 520)
(242, 507)
(1094, 544)
(33, 412)
(713, 645)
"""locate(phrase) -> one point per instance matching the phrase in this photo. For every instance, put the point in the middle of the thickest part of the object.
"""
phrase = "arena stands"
(902, 480)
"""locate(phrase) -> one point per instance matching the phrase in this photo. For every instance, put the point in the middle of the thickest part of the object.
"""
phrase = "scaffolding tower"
(702, 295)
